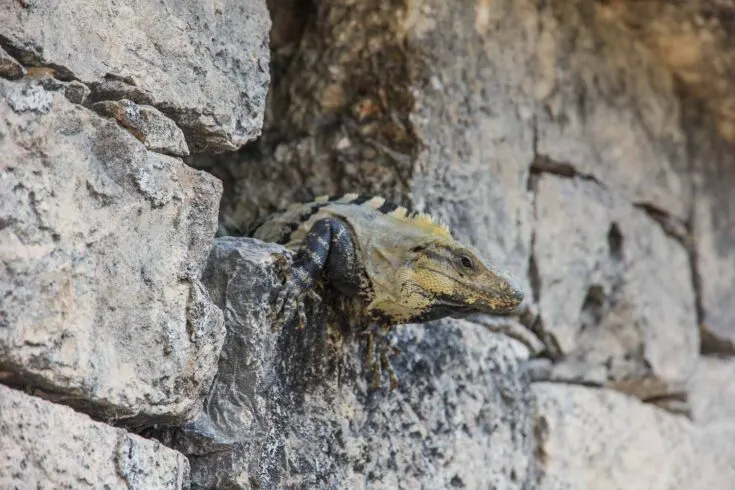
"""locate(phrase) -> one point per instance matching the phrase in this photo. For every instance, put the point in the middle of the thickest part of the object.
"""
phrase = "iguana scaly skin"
(403, 266)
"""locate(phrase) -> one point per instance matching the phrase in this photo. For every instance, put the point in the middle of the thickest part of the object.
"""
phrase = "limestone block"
(292, 408)
(47, 446)
(712, 391)
(148, 124)
(204, 64)
(101, 248)
(615, 292)
(597, 438)
(609, 108)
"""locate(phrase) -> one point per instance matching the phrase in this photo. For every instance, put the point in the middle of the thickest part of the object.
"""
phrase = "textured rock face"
(602, 439)
(292, 409)
(101, 246)
(9, 66)
(382, 100)
(616, 293)
(609, 108)
(44, 445)
(712, 392)
(204, 64)
(156, 131)
(713, 230)
(694, 40)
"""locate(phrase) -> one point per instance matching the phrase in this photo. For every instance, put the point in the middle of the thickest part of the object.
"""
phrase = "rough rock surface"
(609, 108)
(204, 64)
(713, 230)
(101, 246)
(596, 438)
(695, 41)
(148, 124)
(292, 409)
(44, 445)
(712, 392)
(377, 97)
(616, 292)
(584, 144)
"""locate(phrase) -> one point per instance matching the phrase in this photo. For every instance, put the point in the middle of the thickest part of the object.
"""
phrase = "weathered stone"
(596, 438)
(101, 246)
(43, 445)
(26, 97)
(148, 124)
(474, 123)
(74, 90)
(609, 107)
(292, 408)
(712, 391)
(713, 229)
(205, 65)
(616, 299)
(9, 66)
(695, 41)
(457, 124)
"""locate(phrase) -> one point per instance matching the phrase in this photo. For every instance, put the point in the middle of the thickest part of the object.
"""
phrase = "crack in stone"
(533, 320)
(29, 58)
(543, 164)
(59, 76)
(671, 226)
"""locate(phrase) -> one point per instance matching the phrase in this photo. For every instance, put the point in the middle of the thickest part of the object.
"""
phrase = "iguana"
(405, 267)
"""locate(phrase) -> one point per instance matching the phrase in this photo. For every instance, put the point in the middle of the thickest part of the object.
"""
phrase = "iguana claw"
(288, 301)
(378, 358)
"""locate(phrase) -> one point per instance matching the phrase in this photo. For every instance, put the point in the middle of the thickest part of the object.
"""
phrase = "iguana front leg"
(329, 248)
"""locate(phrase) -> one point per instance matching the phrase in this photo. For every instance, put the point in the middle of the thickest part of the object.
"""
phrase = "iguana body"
(404, 266)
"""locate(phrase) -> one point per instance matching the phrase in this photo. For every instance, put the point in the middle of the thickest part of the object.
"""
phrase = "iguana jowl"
(403, 266)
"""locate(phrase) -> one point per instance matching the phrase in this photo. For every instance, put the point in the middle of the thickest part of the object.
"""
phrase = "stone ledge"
(44, 445)
(293, 408)
(602, 439)
(204, 64)
(103, 243)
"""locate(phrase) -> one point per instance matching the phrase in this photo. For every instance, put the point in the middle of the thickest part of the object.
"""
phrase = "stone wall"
(585, 145)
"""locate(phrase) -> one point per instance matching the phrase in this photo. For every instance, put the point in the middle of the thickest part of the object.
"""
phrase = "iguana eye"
(466, 262)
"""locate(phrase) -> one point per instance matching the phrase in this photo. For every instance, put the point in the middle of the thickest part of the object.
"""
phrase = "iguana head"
(441, 278)
(456, 276)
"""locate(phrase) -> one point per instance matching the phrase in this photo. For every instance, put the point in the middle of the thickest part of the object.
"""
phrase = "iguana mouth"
(480, 293)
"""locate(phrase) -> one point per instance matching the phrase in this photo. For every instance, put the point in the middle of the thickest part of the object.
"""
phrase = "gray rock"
(9, 66)
(292, 408)
(609, 108)
(615, 291)
(713, 230)
(695, 41)
(44, 446)
(205, 65)
(74, 90)
(712, 391)
(148, 124)
(26, 97)
(597, 438)
(101, 246)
